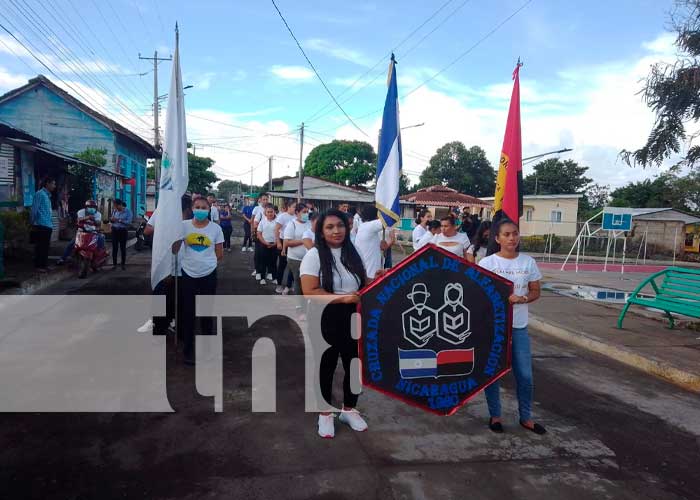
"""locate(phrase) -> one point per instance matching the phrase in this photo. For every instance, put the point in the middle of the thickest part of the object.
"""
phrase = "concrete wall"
(661, 235)
(539, 213)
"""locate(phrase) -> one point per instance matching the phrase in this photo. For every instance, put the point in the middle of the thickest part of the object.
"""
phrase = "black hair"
(202, 198)
(119, 202)
(450, 218)
(368, 213)
(47, 181)
(348, 254)
(480, 241)
(313, 216)
(269, 205)
(300, 206)
(433, 224)
(422, 213)
(186, 203)
(495, 231)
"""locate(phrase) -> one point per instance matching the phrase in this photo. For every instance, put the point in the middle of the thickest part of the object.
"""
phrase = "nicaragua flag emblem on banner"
(421, 363)
(390, 158)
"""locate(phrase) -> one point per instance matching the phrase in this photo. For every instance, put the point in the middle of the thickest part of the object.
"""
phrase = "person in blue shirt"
(247, 221)
(121, 220)
(42, 225)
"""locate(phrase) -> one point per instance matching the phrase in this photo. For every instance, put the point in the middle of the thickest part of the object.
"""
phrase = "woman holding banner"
(523, 272)
(333, 267)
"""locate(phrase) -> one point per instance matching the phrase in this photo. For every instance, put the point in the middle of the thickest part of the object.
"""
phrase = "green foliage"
(539, 244)
(226, 188)
(352, 163)
(82, 177)
(672, 91)
(201, 176)
(596, 197)
(16, 226)
(554, 176)
(466, 170)
(404, 185)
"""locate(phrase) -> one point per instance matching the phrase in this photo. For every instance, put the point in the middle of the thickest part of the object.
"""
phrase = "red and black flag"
(508, 201)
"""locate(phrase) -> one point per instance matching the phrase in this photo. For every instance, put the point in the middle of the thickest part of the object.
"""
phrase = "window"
(528, 215)
(556, 216)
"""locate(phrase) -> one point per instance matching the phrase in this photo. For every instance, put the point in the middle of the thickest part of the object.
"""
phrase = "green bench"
(677, 291)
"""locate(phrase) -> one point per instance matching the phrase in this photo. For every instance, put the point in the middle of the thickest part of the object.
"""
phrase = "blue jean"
(522, 370)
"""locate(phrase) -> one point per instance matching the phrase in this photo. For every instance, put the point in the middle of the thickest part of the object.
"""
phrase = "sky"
(252, 88)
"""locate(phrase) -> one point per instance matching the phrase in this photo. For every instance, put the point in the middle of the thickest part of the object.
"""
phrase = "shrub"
(17, 228)
(538, 244)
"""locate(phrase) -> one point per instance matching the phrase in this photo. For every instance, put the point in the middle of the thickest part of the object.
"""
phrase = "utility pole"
(269, 172)
(251, 180)
(300, 187)
(156, 107)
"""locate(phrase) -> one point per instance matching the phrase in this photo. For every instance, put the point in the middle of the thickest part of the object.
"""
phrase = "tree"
(554, 176)
(672, 91)
(656, 193)
(596, 197)
(466, 170)
(81, 186)
(350, 163)
(404, 185)
(226, 188)
(201, 177)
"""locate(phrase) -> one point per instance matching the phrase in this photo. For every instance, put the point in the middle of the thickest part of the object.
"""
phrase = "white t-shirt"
(214, 214)
(456, 244)
(98, 219)
(367, 242)
(418, 232)
(199, 257)
(521, 271)
(283, 220)
(267, 228)
(344, 282)
(480, 253)
(309, 235)
(356, 223)
(296, 230)
(258, 213)
(424, 240)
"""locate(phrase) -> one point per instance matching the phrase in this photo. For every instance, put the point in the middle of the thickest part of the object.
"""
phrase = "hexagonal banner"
(435, 331)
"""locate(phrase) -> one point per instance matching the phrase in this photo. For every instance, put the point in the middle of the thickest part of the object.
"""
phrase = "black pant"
(119, 237)
(167, 288)
(281, 266)
(267, 261)
(247, 240)
(227, 235)
(335, 328)
(191, 287)
(42, 243)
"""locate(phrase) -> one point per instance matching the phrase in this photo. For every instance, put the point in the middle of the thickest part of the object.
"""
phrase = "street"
(614, 432)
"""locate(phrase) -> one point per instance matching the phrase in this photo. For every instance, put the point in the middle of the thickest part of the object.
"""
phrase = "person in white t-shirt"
(451, 240)
(293, 246)
(255, 218)
(214, 211)
(203, 243)
(478, 249)
(284, 278)
(369, 242)
(421, 229)
(267, 239)
(433, 229)
(309, 236)
(522, 270)
(333, 267)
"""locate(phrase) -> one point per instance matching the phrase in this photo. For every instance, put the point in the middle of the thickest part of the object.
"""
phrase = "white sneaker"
(285, 291)
(146, 327)
(251, 249)
(279, 289)
(258, 276)
(253, 274)
(274, 282)
(326, 427)
(269, 276)
(263, 282)
(243, 249)
(354, 420)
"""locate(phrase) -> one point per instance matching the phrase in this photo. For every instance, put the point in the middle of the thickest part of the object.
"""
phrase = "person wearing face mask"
(90, 219)
(294, 244)
(433, 228)
(203, 249)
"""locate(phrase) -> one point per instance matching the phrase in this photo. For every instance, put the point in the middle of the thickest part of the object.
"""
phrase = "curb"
(36, 284)
(686, 380)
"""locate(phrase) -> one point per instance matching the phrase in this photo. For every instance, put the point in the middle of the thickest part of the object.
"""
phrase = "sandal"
(496, 427)
(536, 428)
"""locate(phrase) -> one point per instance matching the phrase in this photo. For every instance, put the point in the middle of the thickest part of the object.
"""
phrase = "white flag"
(173, 177)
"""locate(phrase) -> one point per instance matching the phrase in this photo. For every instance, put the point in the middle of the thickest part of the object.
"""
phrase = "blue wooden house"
(69, 126)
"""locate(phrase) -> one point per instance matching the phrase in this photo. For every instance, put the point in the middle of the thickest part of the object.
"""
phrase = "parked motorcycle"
(142, 240)
(87, 252)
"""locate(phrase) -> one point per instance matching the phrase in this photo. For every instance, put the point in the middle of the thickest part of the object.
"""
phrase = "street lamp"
(535, 157)
(413, 126)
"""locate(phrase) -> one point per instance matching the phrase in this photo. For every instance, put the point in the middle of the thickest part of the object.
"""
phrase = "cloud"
(239, 76)
(336, 51)
(203, 81)
(9, 80)
(292, 73)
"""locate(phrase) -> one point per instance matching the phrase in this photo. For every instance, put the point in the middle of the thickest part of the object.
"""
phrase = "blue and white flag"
(417, 363)
(174, 177)
(390, 157)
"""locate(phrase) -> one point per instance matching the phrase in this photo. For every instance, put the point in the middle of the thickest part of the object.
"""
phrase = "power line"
(380, 61)
(315, 71)
(445, 19)
(244, 151)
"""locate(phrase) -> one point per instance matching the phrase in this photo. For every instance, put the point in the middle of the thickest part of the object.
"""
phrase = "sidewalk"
(644, 343)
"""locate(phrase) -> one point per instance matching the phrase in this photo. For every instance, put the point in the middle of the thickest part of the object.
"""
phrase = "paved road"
(614, 433)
